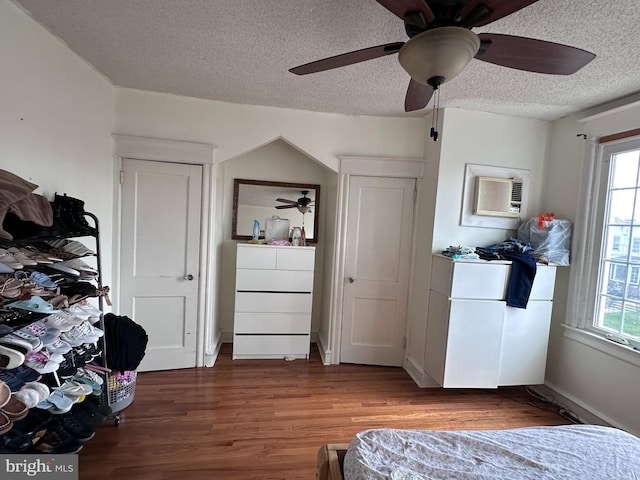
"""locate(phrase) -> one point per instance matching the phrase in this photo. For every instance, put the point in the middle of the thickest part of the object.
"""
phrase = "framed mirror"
(260, 200)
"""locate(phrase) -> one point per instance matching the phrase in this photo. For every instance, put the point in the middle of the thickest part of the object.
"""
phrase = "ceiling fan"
(441, 45)
(303, 204)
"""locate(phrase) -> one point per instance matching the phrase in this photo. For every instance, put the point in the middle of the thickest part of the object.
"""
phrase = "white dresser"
(274, 293)
(474, 340)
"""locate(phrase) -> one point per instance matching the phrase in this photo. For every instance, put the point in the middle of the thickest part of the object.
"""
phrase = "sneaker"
(56, 440)
(41, 362)
(73, 423)
(86, 307)
(34, 342)
(59, 346)
(83, 333)
(35, 421)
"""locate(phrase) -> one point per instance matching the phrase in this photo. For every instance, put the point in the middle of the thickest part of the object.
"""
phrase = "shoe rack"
(63, 432)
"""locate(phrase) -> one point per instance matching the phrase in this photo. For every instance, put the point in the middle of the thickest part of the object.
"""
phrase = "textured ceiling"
(240, 51)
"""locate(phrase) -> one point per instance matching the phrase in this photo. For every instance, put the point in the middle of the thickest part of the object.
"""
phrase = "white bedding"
(570, 452)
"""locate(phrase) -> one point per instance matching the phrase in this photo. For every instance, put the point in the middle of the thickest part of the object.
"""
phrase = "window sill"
(600, 343)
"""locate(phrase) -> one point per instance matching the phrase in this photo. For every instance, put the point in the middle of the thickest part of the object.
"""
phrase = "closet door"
(160, 244)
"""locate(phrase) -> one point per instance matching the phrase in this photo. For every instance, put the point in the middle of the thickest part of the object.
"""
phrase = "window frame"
(585, 283)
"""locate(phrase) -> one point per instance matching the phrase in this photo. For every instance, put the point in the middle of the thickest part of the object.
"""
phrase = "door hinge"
(121, 177)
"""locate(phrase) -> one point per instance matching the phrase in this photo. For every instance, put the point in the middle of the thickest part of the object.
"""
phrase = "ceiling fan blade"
(531, 55)
(285, 200)
(418, 96)
(280, 207)
(402, 7)
(477, 13)
(347, 58)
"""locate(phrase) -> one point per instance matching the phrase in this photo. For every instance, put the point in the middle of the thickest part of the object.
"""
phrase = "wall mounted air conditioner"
(498, 197)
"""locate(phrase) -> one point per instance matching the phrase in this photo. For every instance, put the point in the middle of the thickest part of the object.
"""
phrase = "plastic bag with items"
(549, 236)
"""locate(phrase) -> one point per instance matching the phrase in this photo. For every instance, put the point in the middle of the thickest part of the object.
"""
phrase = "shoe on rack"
(41, 362)
(9, 260)
(26, 374)
(34, 342)
(56, 440)
(5, 394)
(35, 421)
(6, 423)
(15, 409)
(14, 441)
(73, 423)
(34, 304)
(59, 346)
(10, 358)
(20, 257)
(16, 343)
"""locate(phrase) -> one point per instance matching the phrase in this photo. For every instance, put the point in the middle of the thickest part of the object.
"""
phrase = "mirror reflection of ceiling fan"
(441, 44)
(303, 203)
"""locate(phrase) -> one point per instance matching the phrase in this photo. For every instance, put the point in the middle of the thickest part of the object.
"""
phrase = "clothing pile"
(523, 268)
(460, 252)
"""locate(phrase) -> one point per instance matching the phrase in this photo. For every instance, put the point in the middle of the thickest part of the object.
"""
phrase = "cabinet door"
(524, 344)
(473, 344)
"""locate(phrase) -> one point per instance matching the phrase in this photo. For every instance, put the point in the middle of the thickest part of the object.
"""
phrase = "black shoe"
(73, 424)
(86, 415)
(95, 404)
(35, 421)
(55, 440)
(14, 441)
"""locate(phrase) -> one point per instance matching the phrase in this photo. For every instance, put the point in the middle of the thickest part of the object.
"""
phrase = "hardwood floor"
(266, 419)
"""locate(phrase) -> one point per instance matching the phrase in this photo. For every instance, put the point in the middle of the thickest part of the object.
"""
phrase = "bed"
(534, 453)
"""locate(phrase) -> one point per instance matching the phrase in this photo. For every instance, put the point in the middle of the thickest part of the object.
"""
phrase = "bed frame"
(330, 458)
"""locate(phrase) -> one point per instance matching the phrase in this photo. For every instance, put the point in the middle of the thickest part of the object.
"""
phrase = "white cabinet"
(274, 293)
(474, 340)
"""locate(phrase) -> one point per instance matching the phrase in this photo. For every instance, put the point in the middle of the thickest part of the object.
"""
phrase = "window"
(616, 259)
(616, 242)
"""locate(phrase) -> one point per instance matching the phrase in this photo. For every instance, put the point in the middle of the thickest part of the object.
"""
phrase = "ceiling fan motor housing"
(442, 52)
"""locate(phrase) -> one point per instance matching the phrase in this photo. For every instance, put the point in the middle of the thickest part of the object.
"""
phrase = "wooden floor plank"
(266, 419)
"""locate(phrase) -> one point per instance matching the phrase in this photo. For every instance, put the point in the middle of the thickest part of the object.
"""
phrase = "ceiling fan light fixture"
(302, 209)
(442, 52)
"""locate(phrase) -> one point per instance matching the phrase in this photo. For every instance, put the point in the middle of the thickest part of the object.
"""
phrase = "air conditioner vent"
(499, 197)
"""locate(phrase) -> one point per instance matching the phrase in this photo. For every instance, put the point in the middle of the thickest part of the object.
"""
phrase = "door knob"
(188, 277)
(350, 279)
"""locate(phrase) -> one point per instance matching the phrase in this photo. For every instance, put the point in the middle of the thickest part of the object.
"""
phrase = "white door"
(378, 252)
(159, 261)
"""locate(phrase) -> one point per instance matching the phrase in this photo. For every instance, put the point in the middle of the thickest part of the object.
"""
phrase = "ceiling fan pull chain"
(434, 117)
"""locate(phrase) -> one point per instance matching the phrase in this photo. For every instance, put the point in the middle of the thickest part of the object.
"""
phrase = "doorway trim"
(365, 167)
(173, 151)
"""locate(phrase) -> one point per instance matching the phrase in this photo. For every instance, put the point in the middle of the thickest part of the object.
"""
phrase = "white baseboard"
(570, 403)
(325, 353)
(422, 379)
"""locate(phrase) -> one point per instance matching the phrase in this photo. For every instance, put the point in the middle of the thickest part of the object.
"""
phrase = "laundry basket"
(120, 391)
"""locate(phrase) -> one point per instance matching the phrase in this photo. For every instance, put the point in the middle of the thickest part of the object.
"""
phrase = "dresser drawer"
(274, 280)
(272, 323)
(296, 258)
(273, 302)
(479, 281)
(270, 346)
(256, 256)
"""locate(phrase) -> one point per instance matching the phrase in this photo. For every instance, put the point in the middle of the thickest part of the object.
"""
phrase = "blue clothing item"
(523, 272)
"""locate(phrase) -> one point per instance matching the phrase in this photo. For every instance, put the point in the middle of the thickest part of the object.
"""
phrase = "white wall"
(239, 131)
(275, 161)
(56, 116)
(588, 375)
(484, 139)
(466, 137)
